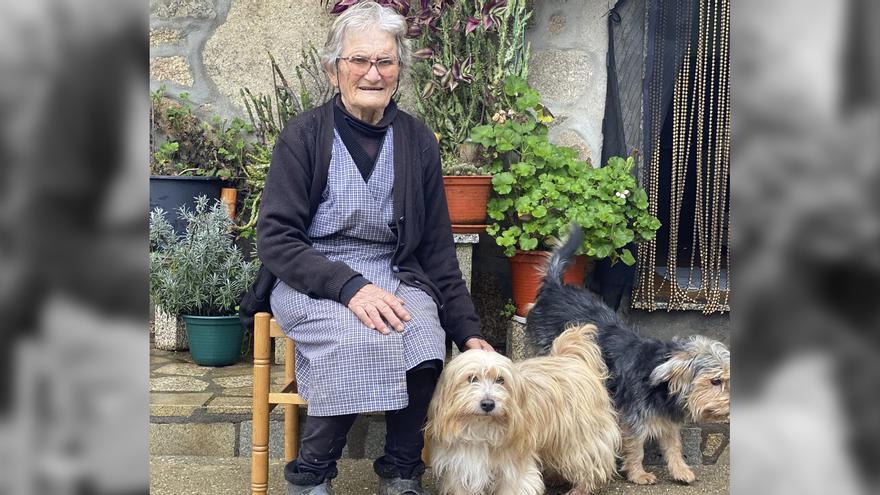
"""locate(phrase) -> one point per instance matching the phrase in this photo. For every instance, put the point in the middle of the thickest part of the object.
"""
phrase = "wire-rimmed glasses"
(360, 65)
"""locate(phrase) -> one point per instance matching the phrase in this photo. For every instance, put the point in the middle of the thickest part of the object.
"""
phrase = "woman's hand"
(374, 306)
(476, 343)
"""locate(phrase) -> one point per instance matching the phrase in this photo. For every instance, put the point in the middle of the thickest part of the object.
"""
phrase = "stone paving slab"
(177, 404)
(236, 381)
(239, 391)
(176, 475)
(208, 439)
(188, 369)
(230, 405)
(177, 384)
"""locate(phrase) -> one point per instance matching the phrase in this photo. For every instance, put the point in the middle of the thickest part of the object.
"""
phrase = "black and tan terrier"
(655, 385)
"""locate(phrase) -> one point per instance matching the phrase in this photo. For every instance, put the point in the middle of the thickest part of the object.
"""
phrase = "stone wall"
(569, 41)
(213, 48)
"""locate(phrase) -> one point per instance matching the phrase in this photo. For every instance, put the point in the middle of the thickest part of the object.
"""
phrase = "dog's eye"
(500, 380)
(715, 381)
(472, 379)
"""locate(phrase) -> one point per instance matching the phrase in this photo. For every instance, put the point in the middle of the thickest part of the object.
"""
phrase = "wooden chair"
(265, 328)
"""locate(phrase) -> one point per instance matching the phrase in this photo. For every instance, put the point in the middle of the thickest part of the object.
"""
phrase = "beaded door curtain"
(695, 169)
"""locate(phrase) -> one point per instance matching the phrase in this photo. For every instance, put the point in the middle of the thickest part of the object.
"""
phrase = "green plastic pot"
(214, 340)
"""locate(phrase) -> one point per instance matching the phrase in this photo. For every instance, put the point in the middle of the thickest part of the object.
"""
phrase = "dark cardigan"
(425, 254)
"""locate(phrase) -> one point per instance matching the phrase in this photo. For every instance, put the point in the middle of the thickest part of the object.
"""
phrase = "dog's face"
(478, 391)
(700, 376)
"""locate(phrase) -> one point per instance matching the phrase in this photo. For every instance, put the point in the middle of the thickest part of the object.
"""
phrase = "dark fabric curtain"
(861, 57)
(647, 40)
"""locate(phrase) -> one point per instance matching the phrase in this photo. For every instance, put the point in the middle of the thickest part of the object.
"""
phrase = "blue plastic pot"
(172, 192)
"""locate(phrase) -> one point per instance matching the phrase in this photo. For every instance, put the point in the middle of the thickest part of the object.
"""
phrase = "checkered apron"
(342, 366)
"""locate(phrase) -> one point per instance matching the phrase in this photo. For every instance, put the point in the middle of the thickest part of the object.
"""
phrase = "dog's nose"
(487, 405)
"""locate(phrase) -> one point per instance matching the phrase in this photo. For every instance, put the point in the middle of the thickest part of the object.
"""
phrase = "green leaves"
(525, 98)
(522, 168)
(621, 236)
(460, 69)
(515, 86)
(527, 243)
(540, 188)
(203, 272)
(529, 100)
(540, 211)
(507, 139)
(483, 135)
(503, 182)
(627, 257)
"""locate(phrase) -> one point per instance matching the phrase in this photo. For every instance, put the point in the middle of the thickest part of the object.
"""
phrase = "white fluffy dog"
(494, 425)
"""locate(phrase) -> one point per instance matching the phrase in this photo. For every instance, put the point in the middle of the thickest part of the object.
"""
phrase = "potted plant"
(464, 51)
(541, 188)
(201, 276)
(190, 157)
(467, 184)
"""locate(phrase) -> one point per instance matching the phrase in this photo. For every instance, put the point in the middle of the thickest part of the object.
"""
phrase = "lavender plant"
(202, 272)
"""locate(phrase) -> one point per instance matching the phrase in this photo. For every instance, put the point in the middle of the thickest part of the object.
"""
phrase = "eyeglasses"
(361, 65)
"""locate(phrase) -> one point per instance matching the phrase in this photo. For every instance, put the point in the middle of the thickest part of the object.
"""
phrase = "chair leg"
(291, 411)
(260, 444)
(426, 452)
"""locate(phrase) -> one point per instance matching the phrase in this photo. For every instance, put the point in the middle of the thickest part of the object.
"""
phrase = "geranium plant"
(540, 188)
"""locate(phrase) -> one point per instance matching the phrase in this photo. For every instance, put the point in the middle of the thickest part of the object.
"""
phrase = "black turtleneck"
(362, 140)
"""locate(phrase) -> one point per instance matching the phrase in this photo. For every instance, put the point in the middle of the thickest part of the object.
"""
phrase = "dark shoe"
(401, 486)
(322, 489)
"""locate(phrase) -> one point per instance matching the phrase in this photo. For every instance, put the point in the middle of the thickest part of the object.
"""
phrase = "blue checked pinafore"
(342, 366)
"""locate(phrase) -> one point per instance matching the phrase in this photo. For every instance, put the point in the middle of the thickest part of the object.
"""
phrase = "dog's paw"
(643, 478)
(683, 474)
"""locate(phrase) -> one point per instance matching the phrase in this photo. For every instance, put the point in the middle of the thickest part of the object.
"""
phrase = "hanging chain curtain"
(689, 66)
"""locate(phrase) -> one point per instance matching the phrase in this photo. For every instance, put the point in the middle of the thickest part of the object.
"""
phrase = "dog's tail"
(562, 255)
(579, 342)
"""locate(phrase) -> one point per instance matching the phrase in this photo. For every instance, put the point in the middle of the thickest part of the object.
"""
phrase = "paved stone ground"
(200, 438)
(191, 475)
(198, 410)
(179, 387)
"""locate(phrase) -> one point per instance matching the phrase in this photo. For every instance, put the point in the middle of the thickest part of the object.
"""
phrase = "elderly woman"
(354, 225)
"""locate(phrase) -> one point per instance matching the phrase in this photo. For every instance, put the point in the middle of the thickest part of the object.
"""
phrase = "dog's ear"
(677, 372)
(443, 423)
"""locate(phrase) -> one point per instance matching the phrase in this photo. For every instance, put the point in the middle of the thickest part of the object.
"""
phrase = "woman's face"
(367, 88)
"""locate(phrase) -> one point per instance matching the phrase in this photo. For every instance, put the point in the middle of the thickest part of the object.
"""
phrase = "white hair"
(361, 17)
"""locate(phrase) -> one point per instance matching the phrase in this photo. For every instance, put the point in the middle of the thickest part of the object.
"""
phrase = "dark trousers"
(324, 437)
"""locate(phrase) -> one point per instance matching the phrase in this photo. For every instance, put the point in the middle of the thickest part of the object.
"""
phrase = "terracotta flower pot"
(466, 198)
(527, 273)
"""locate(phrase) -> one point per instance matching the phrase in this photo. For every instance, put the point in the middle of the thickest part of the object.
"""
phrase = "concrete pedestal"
(169, 331)
(517, 347)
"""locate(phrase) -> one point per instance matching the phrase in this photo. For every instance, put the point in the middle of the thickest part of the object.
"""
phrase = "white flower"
(626, 192)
